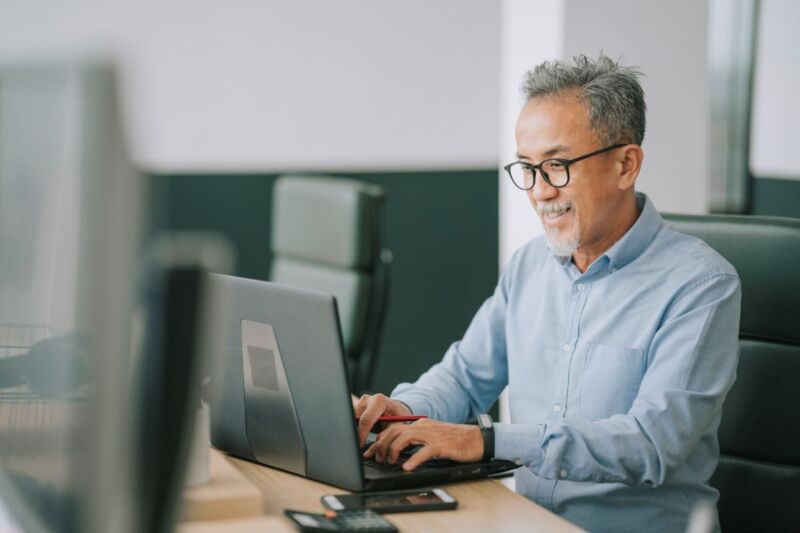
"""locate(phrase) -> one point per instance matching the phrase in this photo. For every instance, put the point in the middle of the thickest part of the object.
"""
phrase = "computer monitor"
(80, 448)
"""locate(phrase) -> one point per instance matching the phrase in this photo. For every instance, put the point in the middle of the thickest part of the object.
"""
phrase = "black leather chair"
(759, 471)
(327, 235)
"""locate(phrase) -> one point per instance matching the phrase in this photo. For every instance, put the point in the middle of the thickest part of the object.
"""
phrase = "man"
(616, 335)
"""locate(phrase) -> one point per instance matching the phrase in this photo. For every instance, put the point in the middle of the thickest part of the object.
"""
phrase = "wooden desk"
(484, 505)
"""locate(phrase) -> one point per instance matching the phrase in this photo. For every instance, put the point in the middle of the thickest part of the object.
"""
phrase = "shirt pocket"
(610, 381)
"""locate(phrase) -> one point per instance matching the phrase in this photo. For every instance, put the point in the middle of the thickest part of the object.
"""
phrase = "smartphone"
(397, 501)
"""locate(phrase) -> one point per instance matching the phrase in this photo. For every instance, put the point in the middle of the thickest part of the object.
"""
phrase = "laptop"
(278, 393)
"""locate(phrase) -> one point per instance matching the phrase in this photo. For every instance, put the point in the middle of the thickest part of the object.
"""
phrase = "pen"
(400, 418)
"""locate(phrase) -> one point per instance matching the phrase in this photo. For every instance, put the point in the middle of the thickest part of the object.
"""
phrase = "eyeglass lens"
(554, 170)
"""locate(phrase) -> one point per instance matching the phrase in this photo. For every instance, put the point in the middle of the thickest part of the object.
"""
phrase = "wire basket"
(29, 424)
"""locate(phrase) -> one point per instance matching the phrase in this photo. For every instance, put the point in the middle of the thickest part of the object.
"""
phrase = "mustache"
(545, 208)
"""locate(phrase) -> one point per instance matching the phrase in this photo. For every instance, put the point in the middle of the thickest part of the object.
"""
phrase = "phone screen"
(396, 501)
(376, 501)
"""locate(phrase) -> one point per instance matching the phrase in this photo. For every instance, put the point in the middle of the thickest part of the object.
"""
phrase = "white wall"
(776, 92)
(668, 41)
(281, 85)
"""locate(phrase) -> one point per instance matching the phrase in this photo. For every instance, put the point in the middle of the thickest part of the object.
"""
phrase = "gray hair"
(611, 92)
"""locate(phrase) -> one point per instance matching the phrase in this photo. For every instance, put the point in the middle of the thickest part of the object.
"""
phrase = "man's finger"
(375, 447)
(369, 416)
(376, 406)
(361, 404)
(403, 441)
(371, 451)
(422, 455)
(385, 440)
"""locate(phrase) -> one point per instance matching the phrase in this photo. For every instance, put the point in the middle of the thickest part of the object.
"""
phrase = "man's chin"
(559, 246)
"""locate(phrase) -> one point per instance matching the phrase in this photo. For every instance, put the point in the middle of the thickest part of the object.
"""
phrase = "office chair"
(759, 470)
(328, 235)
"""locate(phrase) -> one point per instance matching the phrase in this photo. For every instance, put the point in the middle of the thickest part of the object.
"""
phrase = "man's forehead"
(548, 152)
(552, 127)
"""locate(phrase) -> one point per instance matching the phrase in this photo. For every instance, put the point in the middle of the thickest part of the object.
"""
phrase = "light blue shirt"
(616, 376)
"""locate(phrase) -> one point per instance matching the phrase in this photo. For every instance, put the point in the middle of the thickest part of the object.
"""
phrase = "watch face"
(484, 421)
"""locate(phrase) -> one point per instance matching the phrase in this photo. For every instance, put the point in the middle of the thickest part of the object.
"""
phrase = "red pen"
(400, 418)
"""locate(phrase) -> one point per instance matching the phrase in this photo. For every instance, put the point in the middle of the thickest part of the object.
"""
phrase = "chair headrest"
(327, 220)
(766, 253)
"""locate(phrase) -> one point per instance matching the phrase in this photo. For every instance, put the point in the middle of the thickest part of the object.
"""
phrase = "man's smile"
(553, 212)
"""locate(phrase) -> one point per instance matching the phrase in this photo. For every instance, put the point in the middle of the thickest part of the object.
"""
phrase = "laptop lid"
(278, 392)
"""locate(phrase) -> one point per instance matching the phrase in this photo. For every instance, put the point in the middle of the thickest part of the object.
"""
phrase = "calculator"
(350, 520)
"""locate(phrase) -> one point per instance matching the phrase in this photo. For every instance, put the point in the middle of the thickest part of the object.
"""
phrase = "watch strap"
(487, 432)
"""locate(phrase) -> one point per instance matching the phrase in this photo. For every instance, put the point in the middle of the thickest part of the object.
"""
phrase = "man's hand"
(369, 408)
(459, 442)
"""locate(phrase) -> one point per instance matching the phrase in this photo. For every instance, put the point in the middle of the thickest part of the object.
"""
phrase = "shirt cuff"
(416, 404)
(521, 443)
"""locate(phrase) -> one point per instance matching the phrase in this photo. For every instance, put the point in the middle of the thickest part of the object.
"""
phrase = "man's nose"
(542, 190)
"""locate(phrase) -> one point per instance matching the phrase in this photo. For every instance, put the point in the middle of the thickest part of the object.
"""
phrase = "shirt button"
(566, 347)
(518, 461)
(562, 473)
(557, 408)
(581, 287)
(613, 269)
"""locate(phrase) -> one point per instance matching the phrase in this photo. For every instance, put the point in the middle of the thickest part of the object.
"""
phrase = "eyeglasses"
(554, 171)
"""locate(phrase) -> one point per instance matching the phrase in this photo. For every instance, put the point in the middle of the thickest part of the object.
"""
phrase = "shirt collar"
(632, 244)
(636, 239)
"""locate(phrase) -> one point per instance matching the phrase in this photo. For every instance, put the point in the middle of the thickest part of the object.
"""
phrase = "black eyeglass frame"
(565, 162)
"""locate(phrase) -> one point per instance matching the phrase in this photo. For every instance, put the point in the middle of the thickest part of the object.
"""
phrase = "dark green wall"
(777, 197)
(442, 228)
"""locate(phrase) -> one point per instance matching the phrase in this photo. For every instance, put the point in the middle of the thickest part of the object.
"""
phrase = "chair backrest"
(759, 471)
(327, 235)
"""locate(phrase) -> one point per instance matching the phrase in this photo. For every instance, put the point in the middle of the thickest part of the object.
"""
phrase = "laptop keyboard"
(398, 466)
(386, 467)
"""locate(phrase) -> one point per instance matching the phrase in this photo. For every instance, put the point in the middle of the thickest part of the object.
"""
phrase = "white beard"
(560, 245)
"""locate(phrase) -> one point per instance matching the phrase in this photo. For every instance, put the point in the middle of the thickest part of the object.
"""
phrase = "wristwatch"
(487, 430)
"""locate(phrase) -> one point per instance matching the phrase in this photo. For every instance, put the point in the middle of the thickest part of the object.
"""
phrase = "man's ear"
(631, 156)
